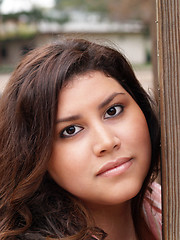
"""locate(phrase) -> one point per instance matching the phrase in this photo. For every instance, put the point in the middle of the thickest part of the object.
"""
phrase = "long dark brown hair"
(32, 205)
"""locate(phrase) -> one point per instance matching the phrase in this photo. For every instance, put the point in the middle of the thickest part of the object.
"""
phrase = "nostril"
(103, 151)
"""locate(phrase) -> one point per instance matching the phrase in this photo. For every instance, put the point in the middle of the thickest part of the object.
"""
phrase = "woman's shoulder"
(153, 211)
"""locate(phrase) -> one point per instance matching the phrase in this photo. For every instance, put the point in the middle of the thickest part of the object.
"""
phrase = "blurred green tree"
(84, 5)
(33, 15)
(114, 9)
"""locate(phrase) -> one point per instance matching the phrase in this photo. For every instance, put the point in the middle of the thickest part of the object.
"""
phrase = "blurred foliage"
(100, 6)
(34, 15)
(23, 24)
(118, 10)
(114, 9)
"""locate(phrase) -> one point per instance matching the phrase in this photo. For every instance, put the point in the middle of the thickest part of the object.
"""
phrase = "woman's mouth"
(116, 167)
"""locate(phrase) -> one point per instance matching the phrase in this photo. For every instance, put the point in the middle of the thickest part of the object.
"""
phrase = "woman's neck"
(116, 221)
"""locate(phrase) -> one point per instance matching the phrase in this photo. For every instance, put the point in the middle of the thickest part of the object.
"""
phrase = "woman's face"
(102, 148)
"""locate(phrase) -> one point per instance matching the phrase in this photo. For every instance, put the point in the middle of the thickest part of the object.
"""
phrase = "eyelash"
(63, 135)
(114, 107)
(75, 127)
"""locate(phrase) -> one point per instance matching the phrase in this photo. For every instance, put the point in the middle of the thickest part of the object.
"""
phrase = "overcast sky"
(18, 5)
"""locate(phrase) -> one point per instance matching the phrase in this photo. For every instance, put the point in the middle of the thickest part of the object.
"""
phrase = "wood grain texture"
(169, 80)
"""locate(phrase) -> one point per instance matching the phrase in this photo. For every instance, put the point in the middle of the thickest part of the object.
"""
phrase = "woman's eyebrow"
(109, 99)
(68, 119)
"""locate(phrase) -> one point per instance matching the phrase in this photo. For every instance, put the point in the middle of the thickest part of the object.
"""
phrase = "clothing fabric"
(153, 211)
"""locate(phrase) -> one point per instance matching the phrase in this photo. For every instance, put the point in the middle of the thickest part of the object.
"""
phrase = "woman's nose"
(105, 141)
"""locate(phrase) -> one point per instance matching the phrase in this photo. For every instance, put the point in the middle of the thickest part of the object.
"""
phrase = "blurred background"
(128, 25)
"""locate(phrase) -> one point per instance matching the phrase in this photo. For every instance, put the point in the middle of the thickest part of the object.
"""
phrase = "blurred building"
(127, 37)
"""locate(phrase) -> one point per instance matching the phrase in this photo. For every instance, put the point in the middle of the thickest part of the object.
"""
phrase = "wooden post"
(169, 79)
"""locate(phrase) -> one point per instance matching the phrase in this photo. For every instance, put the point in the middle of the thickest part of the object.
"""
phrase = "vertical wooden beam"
(169, 80)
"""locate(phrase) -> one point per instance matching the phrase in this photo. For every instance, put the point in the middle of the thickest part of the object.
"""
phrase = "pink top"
(152, 210)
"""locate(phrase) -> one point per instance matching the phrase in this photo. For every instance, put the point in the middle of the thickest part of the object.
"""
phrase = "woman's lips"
(116, 167)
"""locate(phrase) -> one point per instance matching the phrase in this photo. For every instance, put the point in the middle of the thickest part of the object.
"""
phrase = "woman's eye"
(113, 111)
(70, 131)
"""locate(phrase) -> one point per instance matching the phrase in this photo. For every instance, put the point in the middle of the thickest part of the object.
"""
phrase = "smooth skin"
(99, 123)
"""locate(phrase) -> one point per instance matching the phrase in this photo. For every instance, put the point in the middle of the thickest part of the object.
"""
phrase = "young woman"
(79, 148)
